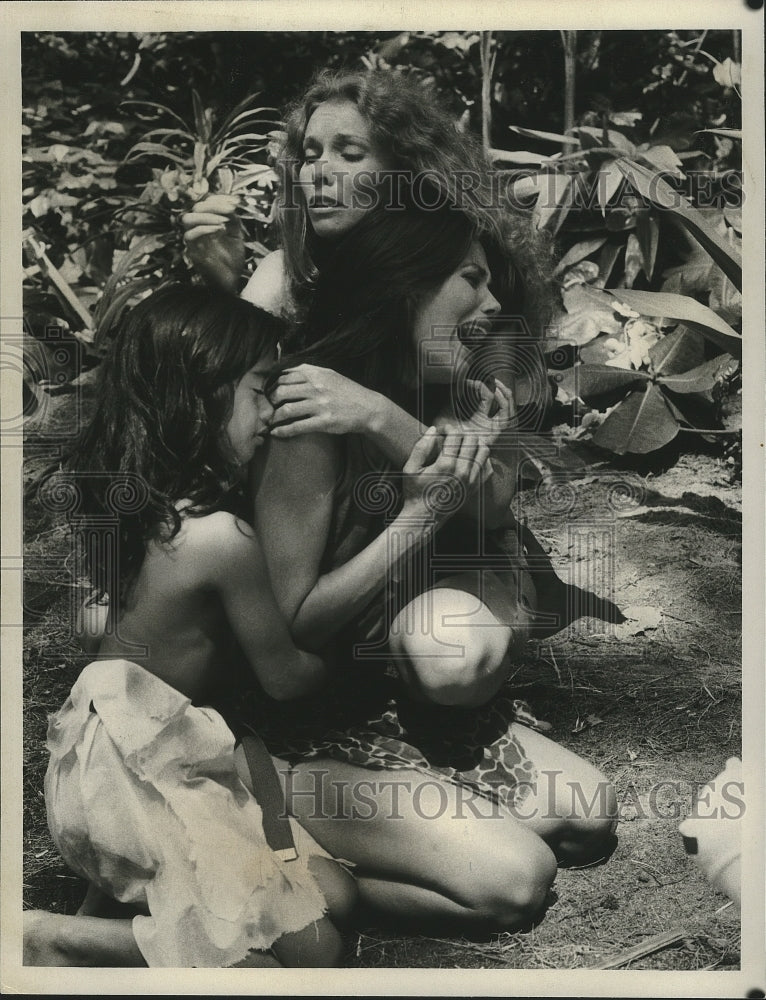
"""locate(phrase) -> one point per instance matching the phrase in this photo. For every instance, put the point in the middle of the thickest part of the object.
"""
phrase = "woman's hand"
(214, 240)
(441, 472)
(309, 399)
(493, 415)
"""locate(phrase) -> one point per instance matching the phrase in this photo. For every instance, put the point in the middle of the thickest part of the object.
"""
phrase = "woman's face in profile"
(339, 167)
(461, 306)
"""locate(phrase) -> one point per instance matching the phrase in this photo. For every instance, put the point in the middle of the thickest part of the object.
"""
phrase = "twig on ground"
(648, 947)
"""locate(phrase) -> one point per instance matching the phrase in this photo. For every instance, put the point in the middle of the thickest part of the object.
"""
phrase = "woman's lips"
(323, 204)
(477, 329)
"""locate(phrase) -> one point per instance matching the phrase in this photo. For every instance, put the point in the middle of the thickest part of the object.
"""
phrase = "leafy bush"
(635, 352)
(644, 204)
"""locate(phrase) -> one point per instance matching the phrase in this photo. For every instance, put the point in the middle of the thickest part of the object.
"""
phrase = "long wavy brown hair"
(421, 138)
(165, 394)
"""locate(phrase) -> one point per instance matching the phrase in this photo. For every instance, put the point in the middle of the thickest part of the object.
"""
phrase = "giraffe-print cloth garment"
(474, 748)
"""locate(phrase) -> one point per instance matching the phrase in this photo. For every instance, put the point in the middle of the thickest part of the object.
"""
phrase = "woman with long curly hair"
(411, 293)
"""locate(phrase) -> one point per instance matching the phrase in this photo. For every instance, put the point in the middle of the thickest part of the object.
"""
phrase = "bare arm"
(293, 507)
(310, 399)
(236, 568)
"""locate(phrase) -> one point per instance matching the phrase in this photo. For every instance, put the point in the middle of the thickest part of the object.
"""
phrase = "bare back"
(170, 622)
(203, 603)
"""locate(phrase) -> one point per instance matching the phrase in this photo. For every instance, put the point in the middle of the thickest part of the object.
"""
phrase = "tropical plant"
(631, 202)
(188, 163)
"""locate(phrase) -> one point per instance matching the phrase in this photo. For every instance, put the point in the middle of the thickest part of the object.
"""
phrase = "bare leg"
(570, 804)
(450, 648)
(52, 939)
(320, 945)
(423, 852)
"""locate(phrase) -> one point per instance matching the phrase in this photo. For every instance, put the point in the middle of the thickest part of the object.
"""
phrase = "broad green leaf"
(648, 234)
(641, 423)
(590, 381)
(677, 352)
(518, 156)
(533, 133)
(693, 276)
(614, 139)
(579, 252)
(606, 261)
(728, 133)
(699, 379)
(657, 191)
(728, 73)
(661, 158)
(685, 310)
(608, 181)
(553, 202)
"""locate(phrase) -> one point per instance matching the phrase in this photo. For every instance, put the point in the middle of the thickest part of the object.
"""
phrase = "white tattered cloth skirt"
(144, 800)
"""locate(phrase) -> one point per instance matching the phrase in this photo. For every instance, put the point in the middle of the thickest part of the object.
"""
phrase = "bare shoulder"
(218, 544)
(310, 459)
(267, 287)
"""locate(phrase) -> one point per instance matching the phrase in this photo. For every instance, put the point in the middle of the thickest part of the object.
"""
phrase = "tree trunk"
(569, 40)
(487, 66)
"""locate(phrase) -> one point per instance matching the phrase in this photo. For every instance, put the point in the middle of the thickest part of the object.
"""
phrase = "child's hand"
(309, 399)
(441, 471)
(214, 240)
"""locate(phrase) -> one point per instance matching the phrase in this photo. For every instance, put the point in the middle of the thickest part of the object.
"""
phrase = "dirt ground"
(659, 706)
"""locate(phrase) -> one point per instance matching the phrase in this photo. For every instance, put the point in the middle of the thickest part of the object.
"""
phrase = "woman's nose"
(490, 305)
(323, 173)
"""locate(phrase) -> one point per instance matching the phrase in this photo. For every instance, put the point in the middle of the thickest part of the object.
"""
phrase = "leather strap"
(267, 792)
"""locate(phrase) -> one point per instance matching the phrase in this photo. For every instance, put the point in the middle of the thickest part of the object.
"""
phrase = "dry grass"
(666, 706)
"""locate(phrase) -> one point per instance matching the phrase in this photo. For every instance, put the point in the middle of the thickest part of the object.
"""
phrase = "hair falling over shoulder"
(156, 435)
(420, 138)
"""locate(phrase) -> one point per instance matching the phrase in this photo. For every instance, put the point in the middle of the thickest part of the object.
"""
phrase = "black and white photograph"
(383, 416)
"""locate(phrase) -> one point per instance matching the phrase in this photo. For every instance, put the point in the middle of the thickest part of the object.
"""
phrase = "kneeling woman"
(417, 766)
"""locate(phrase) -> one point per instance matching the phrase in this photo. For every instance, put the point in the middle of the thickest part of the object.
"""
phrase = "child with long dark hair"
(143, 794)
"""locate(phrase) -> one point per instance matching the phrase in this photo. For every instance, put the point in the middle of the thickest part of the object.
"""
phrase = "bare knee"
(338, 887)
(515, 894)
(452, 664)
(588, 832)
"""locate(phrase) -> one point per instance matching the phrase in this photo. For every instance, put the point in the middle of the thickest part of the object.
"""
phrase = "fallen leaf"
(586, 723)
(640, 617)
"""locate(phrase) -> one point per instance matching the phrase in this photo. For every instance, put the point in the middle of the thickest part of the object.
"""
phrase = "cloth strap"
(267, 792)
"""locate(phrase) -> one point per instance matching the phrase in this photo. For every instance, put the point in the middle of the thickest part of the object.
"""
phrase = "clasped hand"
(310, 399)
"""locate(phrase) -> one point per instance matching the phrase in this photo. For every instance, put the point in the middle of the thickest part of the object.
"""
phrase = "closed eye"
(476, 276)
